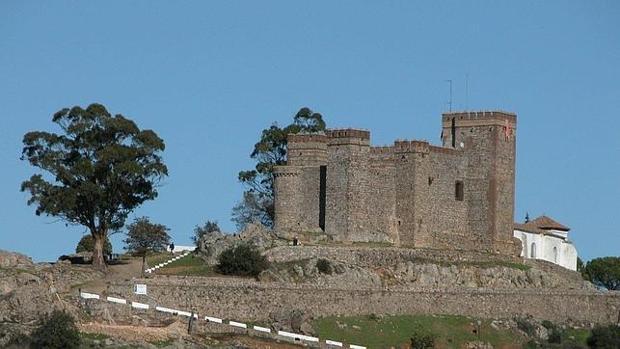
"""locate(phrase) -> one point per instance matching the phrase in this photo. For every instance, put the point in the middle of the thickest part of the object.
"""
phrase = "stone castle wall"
(406, 193)
(249, 300)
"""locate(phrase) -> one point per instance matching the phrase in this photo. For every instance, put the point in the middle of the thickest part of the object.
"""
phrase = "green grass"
(187, 266)
(156, 258)
(162, 343)
(93, 336)
(384, 332)
(579, 336)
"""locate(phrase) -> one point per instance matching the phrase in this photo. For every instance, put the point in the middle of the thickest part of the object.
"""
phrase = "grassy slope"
(384, 332)
(186, 266)
(449, 332)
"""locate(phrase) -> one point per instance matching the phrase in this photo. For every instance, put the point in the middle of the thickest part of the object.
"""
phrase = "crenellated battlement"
(411, 146)
(382, 150)
(348, 133)
(286, 171)
(478, 118)
(307, 138)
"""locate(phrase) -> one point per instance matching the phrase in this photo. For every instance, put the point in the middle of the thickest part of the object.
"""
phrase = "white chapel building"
(544, 238)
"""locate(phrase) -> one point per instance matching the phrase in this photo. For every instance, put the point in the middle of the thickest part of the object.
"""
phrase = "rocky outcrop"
(421, 275)
(14, 260)
(212, 244)
(28, 291)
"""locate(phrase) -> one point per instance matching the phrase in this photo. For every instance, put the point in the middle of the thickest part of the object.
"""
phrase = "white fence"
(288, 335)
(161, 265)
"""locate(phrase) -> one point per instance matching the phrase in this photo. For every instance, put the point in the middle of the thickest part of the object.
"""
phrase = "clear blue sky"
(208, 76)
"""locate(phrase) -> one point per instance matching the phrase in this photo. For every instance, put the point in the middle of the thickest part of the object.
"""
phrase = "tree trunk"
(143, 262)
(98, 259)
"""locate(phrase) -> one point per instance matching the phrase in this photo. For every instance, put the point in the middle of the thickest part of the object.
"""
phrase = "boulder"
(14, 260)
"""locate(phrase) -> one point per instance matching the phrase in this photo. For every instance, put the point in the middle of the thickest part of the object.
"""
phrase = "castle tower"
(488, 142)
(299, 186)
(286, 201)
(412, 194)
(347, 184)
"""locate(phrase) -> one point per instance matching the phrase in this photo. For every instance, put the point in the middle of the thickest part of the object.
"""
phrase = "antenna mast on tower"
(450, 101)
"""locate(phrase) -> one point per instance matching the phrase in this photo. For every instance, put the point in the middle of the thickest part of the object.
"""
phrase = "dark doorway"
(322, 196)
(453, 132)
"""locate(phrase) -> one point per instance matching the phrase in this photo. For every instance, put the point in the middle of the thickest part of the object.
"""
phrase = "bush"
(420, 340)
(526, 326)
(605, 337)
(242, 260)
(56, 331)
(555, 333)
(87, 244)
(604, 272)
(324, 266)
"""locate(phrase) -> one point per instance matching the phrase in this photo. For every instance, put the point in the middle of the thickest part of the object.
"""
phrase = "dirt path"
(128, 269)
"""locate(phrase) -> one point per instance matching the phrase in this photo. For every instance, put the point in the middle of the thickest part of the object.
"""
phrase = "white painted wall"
(548, 247)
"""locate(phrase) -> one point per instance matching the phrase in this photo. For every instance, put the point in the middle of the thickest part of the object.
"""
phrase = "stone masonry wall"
(249, 300)
(446, 215)
(383, 220)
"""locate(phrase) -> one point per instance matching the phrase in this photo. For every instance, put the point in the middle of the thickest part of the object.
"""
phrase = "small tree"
(604, 271)
(95, 172)
(57, 330)
(87, 244)
(144, 236)
(606, 337)
(242, 260)
(200, 231)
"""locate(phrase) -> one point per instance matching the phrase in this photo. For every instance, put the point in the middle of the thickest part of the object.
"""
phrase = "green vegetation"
(95, 172)
(242, 260)
(605, 337)
(397, 331)
(162, 343)
(187, 266)
(324, 266)
(200, 231)
(604, 272)
(93, 336)
(58, 330)
(87, 244)
(144, 236)
(480, 264)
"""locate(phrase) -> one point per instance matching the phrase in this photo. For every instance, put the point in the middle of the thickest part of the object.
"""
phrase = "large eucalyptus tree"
(95, 172)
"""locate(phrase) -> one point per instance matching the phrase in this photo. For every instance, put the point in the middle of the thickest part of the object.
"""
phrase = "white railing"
(288, 335)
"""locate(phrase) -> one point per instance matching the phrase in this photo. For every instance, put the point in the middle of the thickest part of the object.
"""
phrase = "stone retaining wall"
(248, 300)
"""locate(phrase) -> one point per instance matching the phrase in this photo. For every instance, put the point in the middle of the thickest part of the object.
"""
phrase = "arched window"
(555, 254)
(533, 250)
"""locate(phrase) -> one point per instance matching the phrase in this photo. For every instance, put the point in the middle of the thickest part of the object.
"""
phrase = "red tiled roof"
(528, 227)
(546, 223)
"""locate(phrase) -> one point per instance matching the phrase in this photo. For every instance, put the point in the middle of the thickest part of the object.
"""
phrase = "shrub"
(242, 260)
(605, 337)
(421, 340)
(555, 333)
(526, 326)
(324, 266)
(56, 331)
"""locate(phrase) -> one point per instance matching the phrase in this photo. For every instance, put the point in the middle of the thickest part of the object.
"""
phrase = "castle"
(412, 194)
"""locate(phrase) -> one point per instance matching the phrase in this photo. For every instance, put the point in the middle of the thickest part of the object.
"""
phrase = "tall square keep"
(456, 196)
